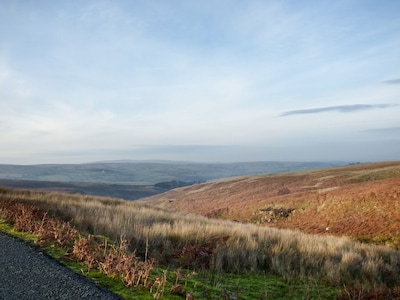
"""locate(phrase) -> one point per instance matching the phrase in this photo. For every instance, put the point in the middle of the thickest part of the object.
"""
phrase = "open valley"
(320, 234)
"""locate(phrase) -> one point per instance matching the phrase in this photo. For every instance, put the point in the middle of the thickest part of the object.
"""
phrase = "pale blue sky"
(208, 81)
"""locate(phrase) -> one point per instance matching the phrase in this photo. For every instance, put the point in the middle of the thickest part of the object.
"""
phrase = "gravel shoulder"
(27, 273)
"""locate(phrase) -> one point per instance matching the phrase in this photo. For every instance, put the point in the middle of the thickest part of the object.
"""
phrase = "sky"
(206, 81)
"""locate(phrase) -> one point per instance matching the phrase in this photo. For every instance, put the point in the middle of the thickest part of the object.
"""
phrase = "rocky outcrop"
(271, 215)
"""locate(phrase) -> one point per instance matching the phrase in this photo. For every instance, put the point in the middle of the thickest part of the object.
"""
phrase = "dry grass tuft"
(374, 294)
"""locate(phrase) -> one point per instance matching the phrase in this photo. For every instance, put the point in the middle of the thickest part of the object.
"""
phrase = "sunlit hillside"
(362, 201)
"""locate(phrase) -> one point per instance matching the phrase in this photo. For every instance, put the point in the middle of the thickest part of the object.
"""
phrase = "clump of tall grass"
(199, 242)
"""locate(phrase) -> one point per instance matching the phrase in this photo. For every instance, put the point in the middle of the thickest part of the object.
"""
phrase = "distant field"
(150, 172)
(133, 180)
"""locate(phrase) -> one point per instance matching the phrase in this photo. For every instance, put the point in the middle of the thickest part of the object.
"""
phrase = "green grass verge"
(241, 286)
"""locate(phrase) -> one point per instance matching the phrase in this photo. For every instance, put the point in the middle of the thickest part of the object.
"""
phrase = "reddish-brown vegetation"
(27, 218)
(114, 261)
(362, 201)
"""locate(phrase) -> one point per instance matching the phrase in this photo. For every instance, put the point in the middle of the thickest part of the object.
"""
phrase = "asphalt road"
(27, 273)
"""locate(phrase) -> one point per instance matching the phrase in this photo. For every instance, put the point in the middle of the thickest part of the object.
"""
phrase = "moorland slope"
(361, 201)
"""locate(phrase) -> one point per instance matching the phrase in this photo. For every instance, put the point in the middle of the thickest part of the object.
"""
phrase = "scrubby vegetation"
(361, 201)
(193, 242)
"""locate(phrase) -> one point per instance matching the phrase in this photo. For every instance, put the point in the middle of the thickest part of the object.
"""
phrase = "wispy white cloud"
(384, 130)
(339, 108)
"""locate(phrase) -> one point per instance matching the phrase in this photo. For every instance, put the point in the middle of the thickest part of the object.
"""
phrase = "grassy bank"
(111, 266)
(178, 241)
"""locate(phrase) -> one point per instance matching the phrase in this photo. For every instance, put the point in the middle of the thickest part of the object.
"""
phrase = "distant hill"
(123, 191)
(362, 201)
(134, 172)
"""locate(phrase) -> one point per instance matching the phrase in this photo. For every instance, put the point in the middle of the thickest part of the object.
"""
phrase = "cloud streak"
(338, 108)
(392, 81)
(384, 130)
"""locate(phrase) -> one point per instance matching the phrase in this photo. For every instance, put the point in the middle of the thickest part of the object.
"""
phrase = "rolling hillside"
(123, 191)
(361, 201)
(132, 180)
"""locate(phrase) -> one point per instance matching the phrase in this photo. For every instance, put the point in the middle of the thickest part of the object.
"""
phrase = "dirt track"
(27, 273)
